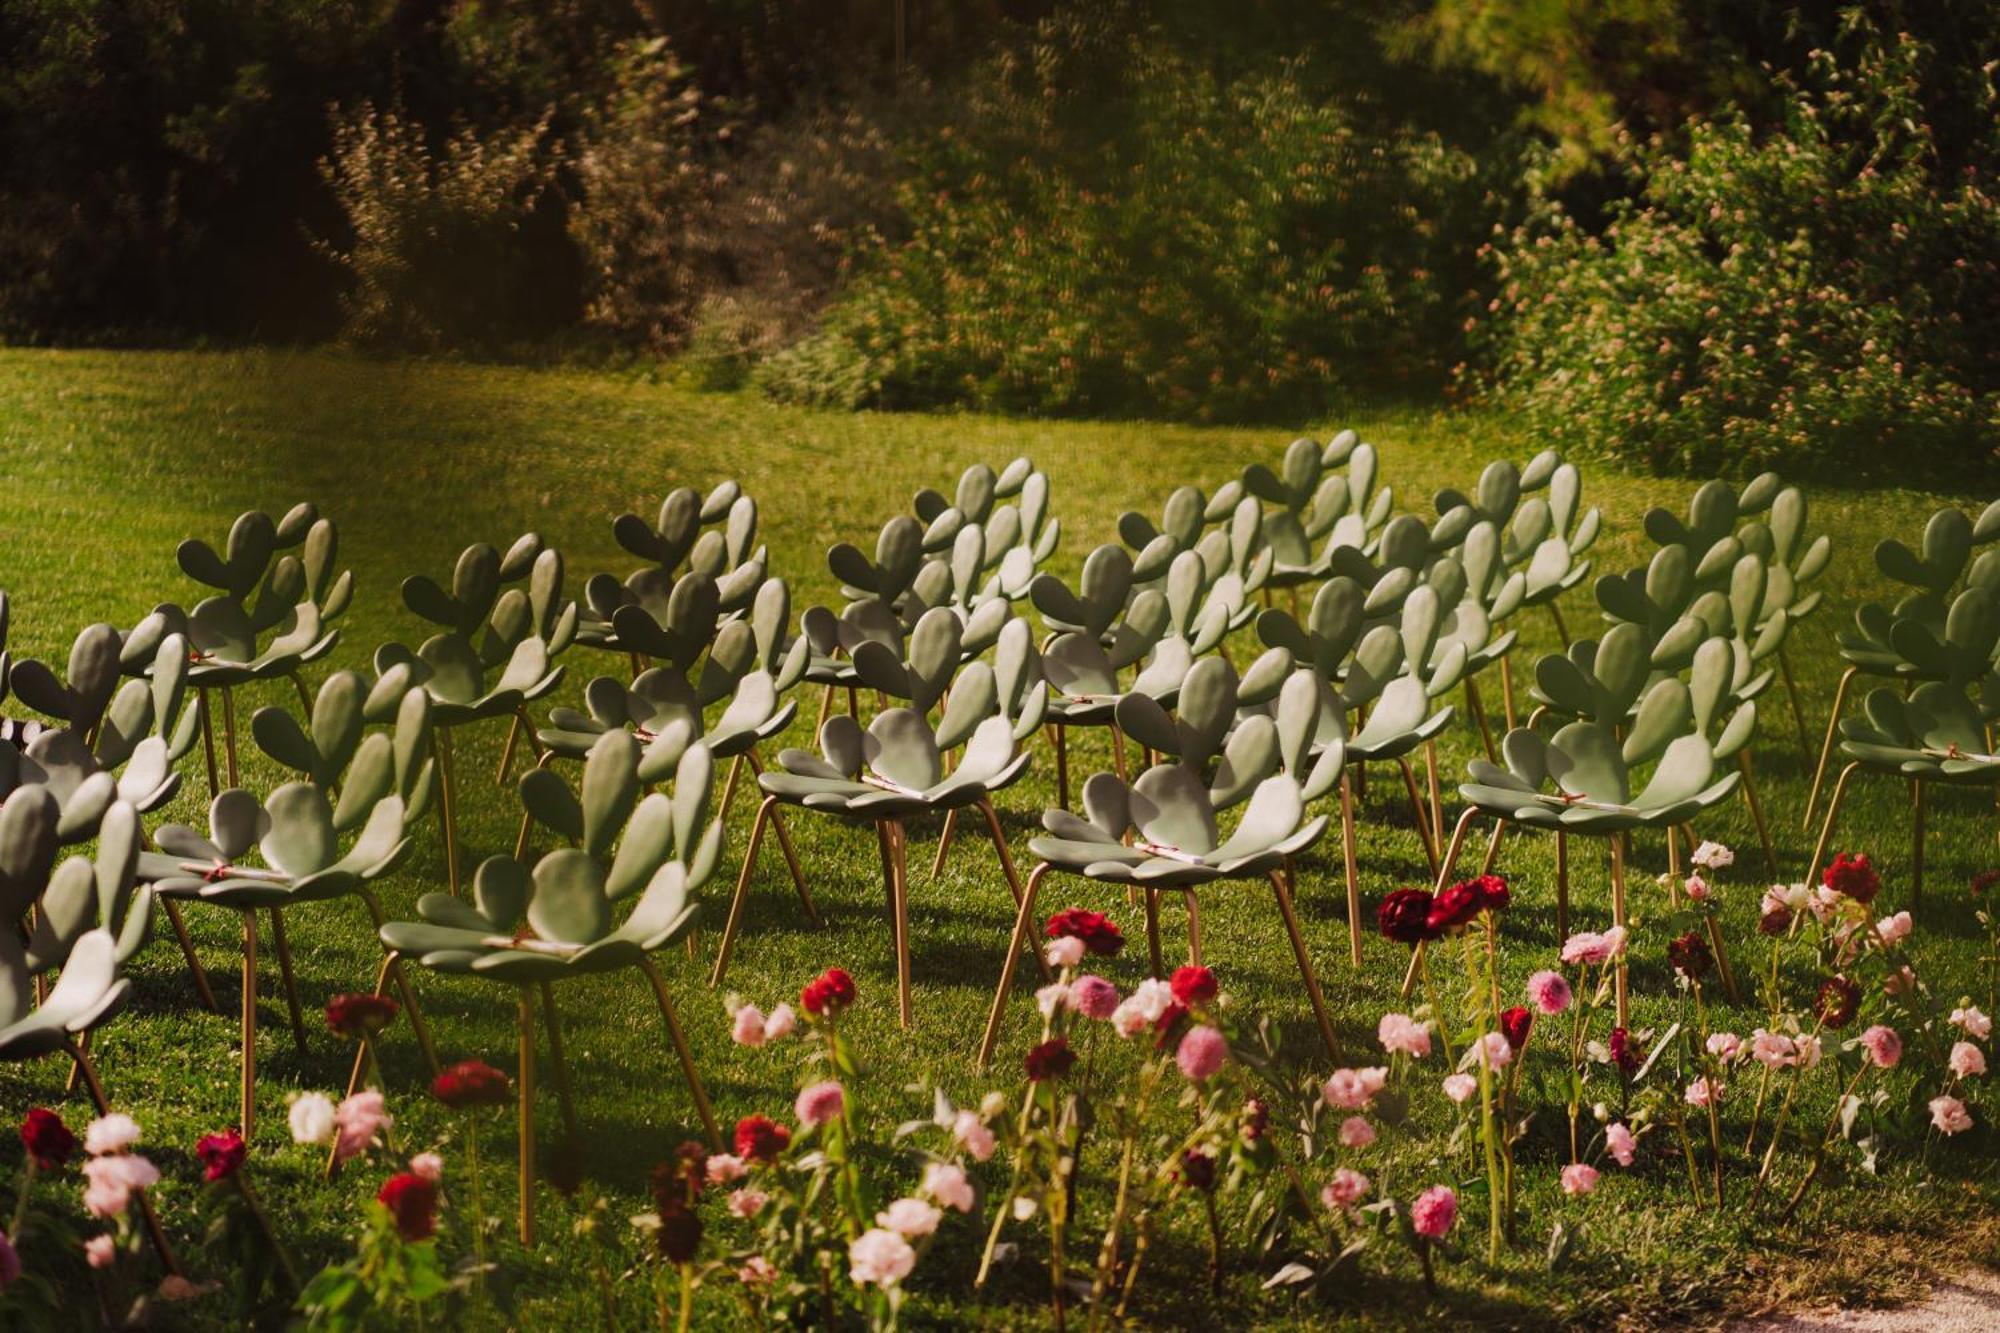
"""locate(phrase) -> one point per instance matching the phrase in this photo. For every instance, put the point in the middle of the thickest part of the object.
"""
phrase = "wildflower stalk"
(1826, 1137)
(1778, 1125)
(1711, 1075)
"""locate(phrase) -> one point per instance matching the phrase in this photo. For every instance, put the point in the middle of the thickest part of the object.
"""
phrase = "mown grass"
(109, 459)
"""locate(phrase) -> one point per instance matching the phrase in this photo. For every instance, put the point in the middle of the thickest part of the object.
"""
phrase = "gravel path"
(1969, 1303)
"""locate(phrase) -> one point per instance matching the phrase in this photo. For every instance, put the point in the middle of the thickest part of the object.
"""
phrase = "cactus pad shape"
(713, 537)
(1581, 780)
(1314, 504)
(1541, 536)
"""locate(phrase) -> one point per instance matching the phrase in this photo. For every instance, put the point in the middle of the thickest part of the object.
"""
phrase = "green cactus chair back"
(310, 845)
(1537, 514)
(1318, 511)
(1185, 520)
(533, 922)
(897, 767)
(1162, 832)
(274, 578)
(992, 533)
(1943, 629)
(712, 536)
(493, 655)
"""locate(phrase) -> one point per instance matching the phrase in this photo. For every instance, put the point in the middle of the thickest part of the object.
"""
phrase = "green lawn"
(109, 459)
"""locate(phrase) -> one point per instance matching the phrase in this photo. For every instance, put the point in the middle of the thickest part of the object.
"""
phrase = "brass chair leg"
(1826, 746)
(1507, 689)
(785, 844)
(1493, 847)
(1916, 842)
(448, 807)
(229, 747)
(507, 751)
(1826, 829)
(201, 985)
(156, 1235)
(999, 837)
(944, 842)
(1477, 708)
(208, 745)
(1024, 916)
(1118, 752)
(1152, 897)
(1562, 885)
(1757, 812)
(392, 968)
(1352, 870)
(1431, 773)
(899, 846)
(305, 699)
(825, 709)
(1562, 630)
(1062, 766)
(1619, 980)
(764, 811)
(1421, 816)
(682, 1052)
(1457, 845)
(285, 973)
(565, 1090)
(1283, 890)
(526, 1089)
(729, 786)
(1193, 903)
(249, 1023)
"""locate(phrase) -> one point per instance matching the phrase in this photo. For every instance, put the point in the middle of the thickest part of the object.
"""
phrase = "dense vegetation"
(1044, 206)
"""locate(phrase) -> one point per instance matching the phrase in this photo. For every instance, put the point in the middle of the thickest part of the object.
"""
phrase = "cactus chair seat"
(1939, 734)
(534, 924)
(713, 536)
(1163, 832)
(82, 919)
(896, 768)
(494, 654)
(298, 834)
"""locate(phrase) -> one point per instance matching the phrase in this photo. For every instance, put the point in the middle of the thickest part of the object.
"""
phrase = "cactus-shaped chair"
(533, 925)
(1318, 511)
(713, 536)
(493, 656)
(1010, 511)
(896, 768)
(1161, 832)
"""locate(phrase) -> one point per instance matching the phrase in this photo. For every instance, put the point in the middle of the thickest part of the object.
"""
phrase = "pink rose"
(1619, 1143)
(1579, 1178)
(723, 1168)
(1401, 1034)
(1458, 1087)
(782, 1023)
(1549, 992)
(1434, 1212)
(880, 1257)
(748, 1026)
(1884, 1047)
(1967, 1060)
(909, 1217)
(1064, 951)
(356, 1122)
(1356, 1132)
(1093, 997)
(747, 1202)
(1202, 1051)
(101, 1251)
(1345, 1190)
(819, 1103)
(1949, 1115)
(1975, 1023)
(973, 1135)
(946, 1183)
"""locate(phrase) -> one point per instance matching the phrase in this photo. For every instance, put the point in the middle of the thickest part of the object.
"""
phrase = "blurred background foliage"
(1698, 235)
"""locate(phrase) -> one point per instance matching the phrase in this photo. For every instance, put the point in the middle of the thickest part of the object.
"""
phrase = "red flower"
(48, 1139)
(1404, 916)
(1193, 985)
(679, 1236)
(412, 1201)
(1169, 1026)
(1198, 1169)
(1776, 921)
(1854, 877)
(1690, 956)
(1099, 933)
(1985, 880)
(1515, 1024)
(1051, 1059)
(360, 1015)
(1454, 907)
(1625, 1052)
(1839, 1002)
(828, 993)
(1256, 1119)
(221, 1154)
(1494, 895)
(760, 1138)
(471, 1083)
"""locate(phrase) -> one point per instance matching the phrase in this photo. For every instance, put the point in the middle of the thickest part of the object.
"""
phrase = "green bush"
(1112, 225)
(1822, 299)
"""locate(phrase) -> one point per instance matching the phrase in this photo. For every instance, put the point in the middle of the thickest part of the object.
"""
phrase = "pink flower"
(1967, 1060)
(1434, 1212)
(909, 1217)
(1949, 1115)
(973, 1135)
(1351, 1089)
(1549, 992)
(1064, 951)
(356, 1123)
(1093, 996)
(1052, 996)
(1142, 1008)
(1345, 1190)
(1619, 1143)
(946, 1182)
(1975, 1023)
(1773, 1050)
(1399, 1033)
(1356, 1132)
(110, 1133)
(1810, 1048)
(748, 1027)
(1203, 1051)
(1713, 856)
(1699, 1093)
(1884, 1047)
(1579, 1178)
(1900, 982)
(1698, 889)
(111, 1179)
(1894, 929)
(723, 1168)
(782, 1023)
(101, 1251)
(1460, 1086)
(757, 1271)
(1590, 948)
(1494, 1051)
(428, 1165)
(880, 1257)
(747, 1202)
(1725, 1046)
(820, 1103)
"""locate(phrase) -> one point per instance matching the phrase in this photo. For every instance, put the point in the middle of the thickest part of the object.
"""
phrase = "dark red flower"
(679, 1236)
(360, 1015)
(221, 1154)
(1453, 908)
(826, 995)
(1985, 880)
(412, 1201)
(1198, 1169)
(1404, 916)
(1776, 921)
(471, 1083)
(1099, 933)
(1051, 1059)
(1690, 956)
(680, 1180)
(48, 1139)
(1854, 877)
(1169, 1027)
(1494, 895)
(1254, 1121)
(760, 1138)
(1839, 1001)
(1193, 985)
(1625, 1052)
(1515, 1024)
